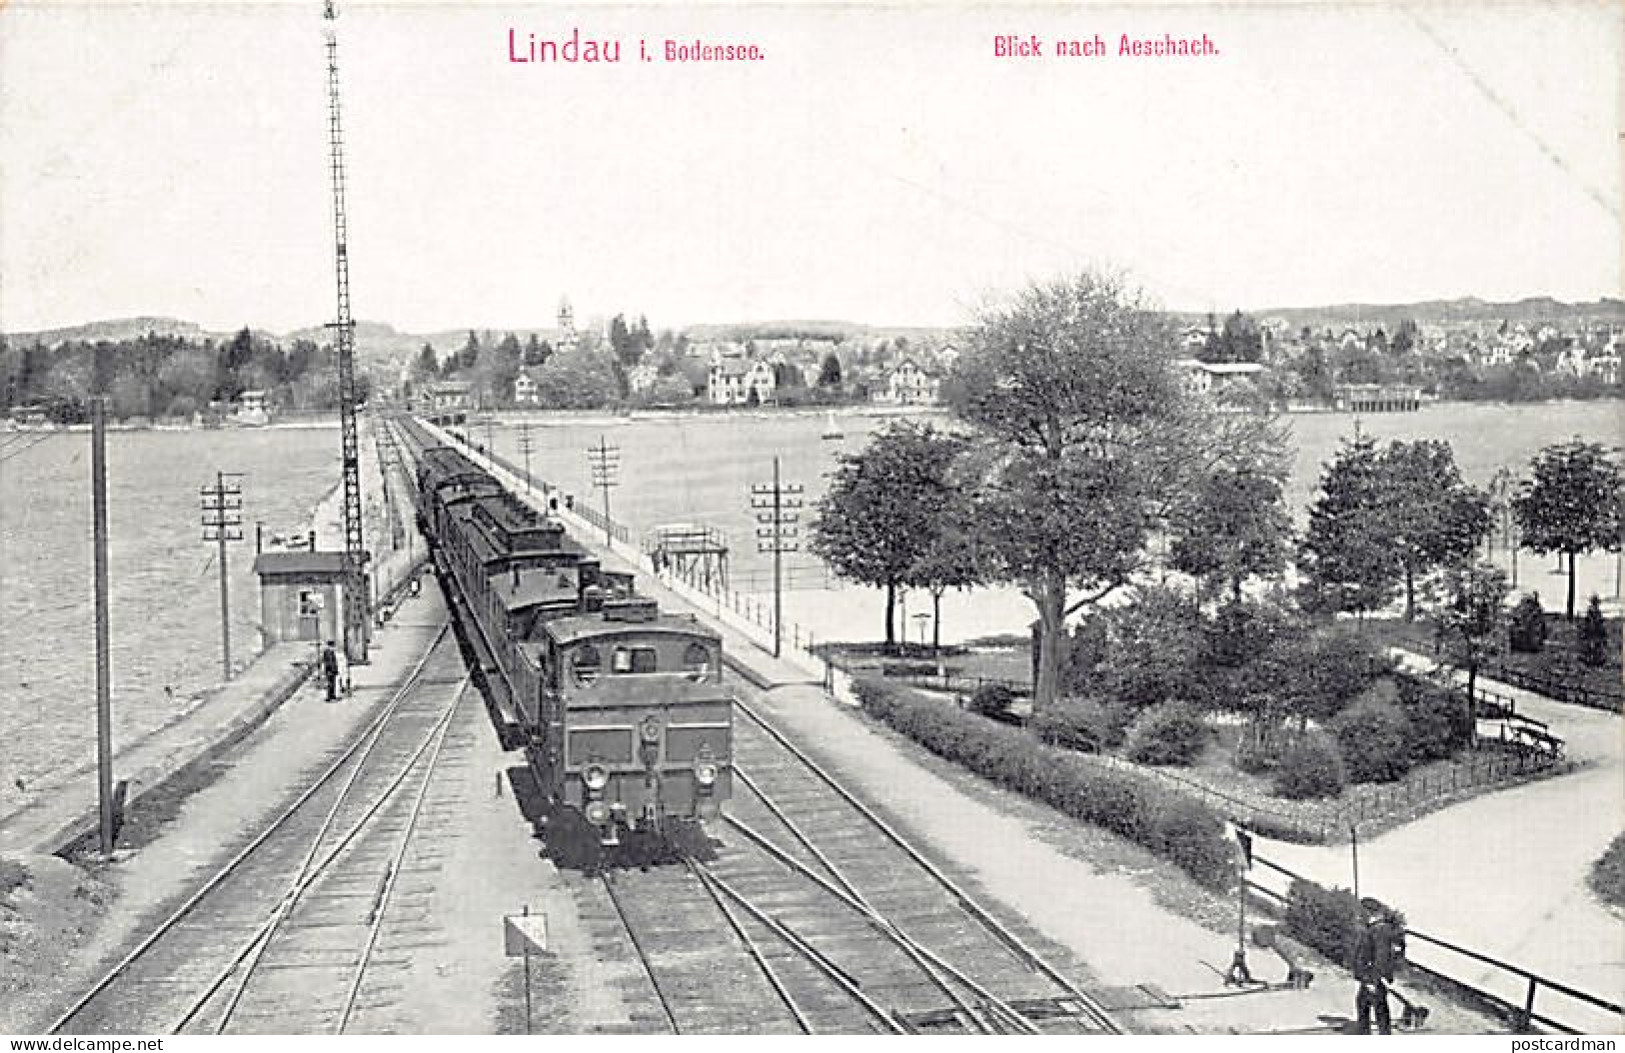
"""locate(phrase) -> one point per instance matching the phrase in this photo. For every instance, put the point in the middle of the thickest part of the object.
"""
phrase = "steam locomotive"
(621, 708)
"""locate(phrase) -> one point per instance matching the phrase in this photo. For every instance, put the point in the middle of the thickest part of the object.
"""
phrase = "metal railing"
(599, 521)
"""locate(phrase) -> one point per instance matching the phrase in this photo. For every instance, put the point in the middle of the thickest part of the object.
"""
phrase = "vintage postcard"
(829, 518)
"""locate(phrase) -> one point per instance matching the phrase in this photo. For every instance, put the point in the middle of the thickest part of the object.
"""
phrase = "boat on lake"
(832, 430)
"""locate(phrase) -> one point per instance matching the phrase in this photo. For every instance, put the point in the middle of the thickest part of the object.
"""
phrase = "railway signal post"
(605, 462)
(776, 505)
(223, 523)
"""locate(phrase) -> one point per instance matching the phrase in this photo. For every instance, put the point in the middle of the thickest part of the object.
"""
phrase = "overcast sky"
(878, 165)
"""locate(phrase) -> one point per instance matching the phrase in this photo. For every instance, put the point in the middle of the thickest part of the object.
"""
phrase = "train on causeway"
(621, 708)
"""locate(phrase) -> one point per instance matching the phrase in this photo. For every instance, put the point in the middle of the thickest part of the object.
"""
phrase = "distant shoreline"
(561, 418)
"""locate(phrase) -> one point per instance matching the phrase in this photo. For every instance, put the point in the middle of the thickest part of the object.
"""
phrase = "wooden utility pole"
(104, 677)
(524, 447)
(776, 504)
(223, 523)
(605, 462)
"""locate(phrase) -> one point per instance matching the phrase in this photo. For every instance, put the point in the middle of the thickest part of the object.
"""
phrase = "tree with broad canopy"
(1570, 503)
(1089, 442)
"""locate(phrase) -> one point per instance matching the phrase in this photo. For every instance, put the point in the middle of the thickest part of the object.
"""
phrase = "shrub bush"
(1241, 633)
(1438, 719)
(1374, 738)
(992, 700)
(1311, 767)
(1608, 874)
(907, 668)
(1320, 674)
(1172, 733)
(1256, 757)
(1182, 828)
(1155, 649)
(1131, 805)
(1085, 724)
(1085, 650)
(1526, 628)
(13, 876)
(1328, 919)
(1592, 635)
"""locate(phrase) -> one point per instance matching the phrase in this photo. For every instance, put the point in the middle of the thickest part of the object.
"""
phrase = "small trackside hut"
(301, 596)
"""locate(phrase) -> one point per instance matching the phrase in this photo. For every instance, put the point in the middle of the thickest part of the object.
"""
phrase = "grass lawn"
(1374, 806)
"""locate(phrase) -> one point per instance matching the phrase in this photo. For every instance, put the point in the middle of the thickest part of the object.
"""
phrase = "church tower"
(567, 324)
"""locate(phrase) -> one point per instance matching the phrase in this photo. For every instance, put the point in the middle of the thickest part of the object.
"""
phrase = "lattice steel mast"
(357, 614)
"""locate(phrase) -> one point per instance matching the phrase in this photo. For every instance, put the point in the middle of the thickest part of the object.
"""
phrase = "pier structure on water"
(1377, 398)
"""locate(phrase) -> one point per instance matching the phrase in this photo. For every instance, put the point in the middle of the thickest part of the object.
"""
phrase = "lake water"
(164, 602)
(700, 468)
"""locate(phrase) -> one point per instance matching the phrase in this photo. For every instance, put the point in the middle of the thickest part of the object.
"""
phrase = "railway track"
(284, 936)
(817, 916)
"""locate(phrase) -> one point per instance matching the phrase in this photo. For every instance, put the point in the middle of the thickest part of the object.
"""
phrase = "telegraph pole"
(524, 447)
(776, 504)
(104, 678)
(222, 523)
(605, 462)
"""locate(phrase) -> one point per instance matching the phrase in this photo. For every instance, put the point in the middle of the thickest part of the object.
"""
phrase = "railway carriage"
(621, 708)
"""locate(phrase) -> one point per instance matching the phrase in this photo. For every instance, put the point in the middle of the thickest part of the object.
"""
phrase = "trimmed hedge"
(908, 668)
(1185, 831)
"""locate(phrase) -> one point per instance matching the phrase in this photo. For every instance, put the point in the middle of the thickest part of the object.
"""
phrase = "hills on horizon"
(380, 340)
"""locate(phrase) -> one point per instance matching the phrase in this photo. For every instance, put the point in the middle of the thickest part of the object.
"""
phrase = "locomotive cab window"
(585, 664)
(697, 658)
(635, 660)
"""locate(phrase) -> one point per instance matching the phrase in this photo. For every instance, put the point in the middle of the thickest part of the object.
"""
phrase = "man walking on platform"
(330, 671)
